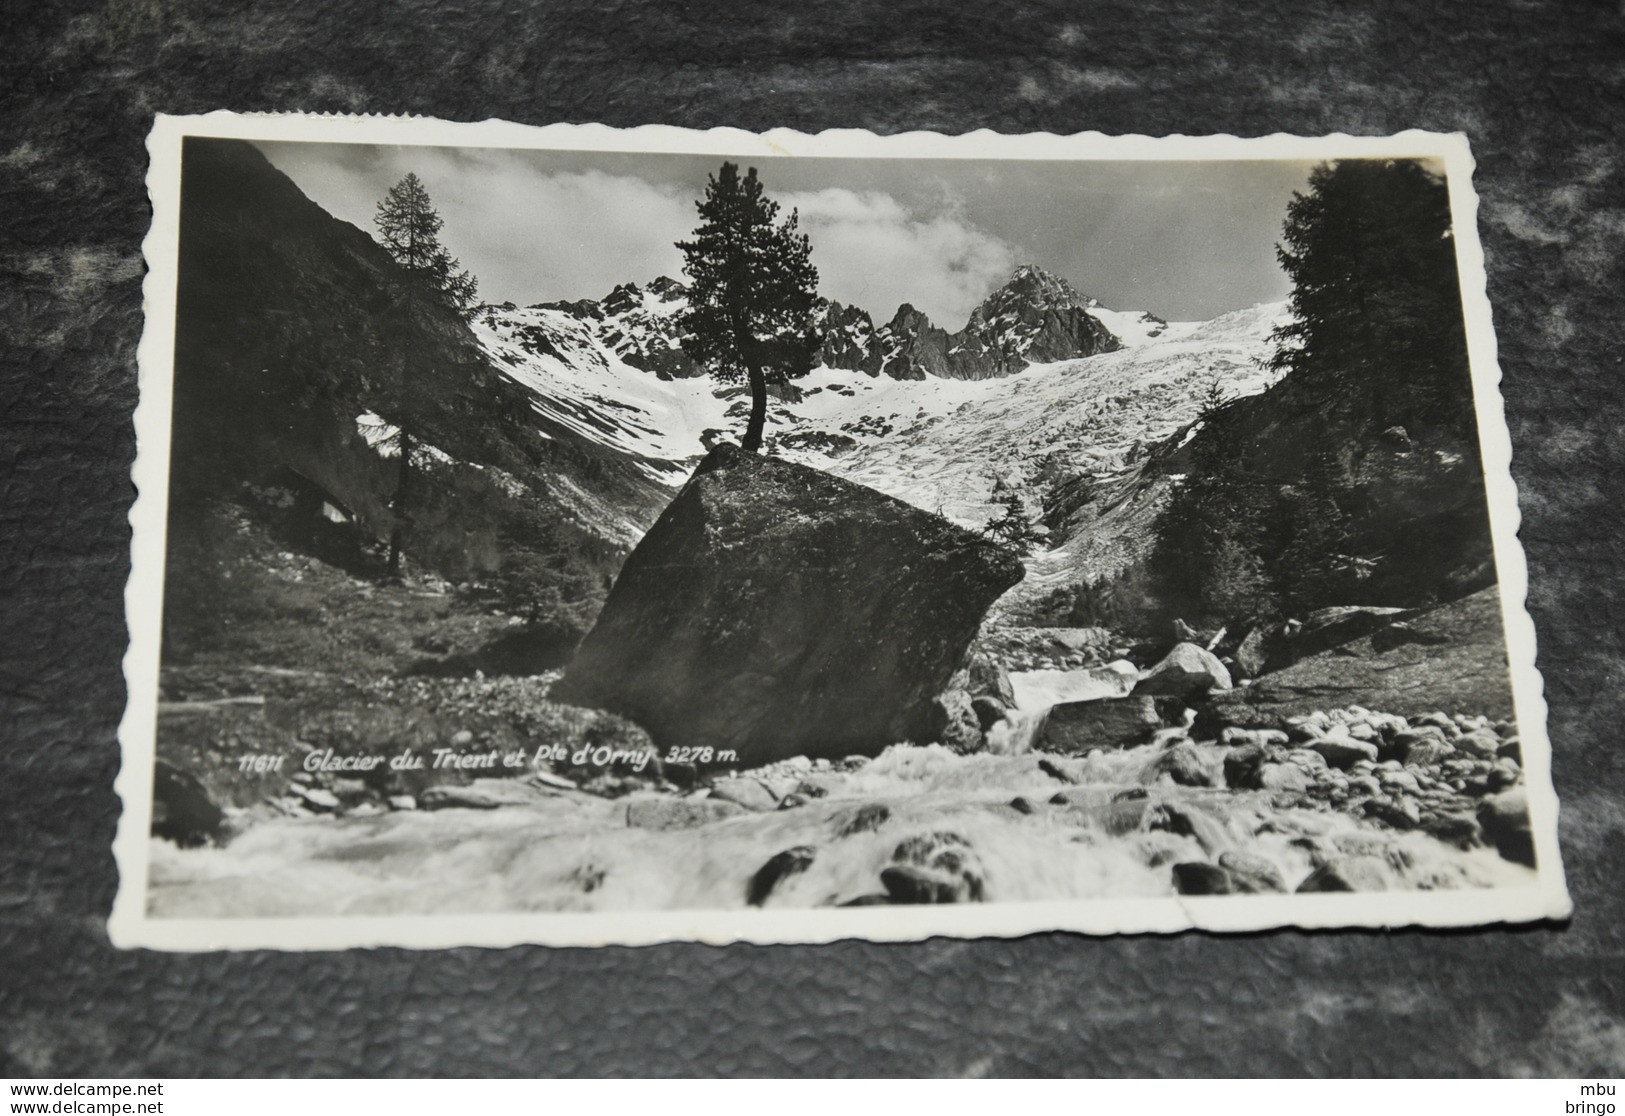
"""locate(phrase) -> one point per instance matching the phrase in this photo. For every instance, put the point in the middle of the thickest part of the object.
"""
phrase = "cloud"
(574, 235)
(873, 251)
(534, 232)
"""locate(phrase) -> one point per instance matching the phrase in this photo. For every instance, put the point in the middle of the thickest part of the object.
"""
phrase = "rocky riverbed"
(1342, 800)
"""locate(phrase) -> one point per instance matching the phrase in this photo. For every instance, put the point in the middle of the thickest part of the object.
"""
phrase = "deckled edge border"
(128, 924)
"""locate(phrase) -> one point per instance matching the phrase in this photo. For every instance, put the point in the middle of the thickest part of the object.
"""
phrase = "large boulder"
(775, 610)
(1451, 657)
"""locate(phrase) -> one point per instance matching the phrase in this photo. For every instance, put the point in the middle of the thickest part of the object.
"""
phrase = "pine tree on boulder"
(752, 292)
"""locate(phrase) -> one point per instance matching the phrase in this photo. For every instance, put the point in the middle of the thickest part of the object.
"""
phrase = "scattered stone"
(1426, 751)
(989, 711)
(678, 813)
(1197, 877)
(402, 802)
(462, 738)
(1397, 811)
(906, 883)
(1252, 874)
(1343, 752)
(317, 798)
(955, 723)
(1185, 672)
(865, 819)
(985, 677)
(792, 800)
(781, 866)
(1287, 777)
(1185, 765)
(557, 782)
(749, 793)
(1481, 742)
(1460, 830)
(1190, 821)
(1505, 822)
(1234, 737)
(1349, 873)
(939, 854)
(1023, 805)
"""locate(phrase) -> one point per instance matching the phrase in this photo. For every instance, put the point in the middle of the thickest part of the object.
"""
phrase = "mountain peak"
(1032, 285)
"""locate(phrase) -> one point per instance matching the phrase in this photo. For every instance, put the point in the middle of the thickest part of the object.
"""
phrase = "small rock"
(1505, 821)
(1186, 766)
(788, 863)
(906, 883)
(1481, 742)
(557, 782)
(989, 711)
(1198, 877)
(865, 819)
(1397, 811)
(793, 800)
(1427, 752)
(1460, 830)
(1023, 805)
(1350, 873)
(462, 738)
(402, 802)
(1283, 777)
(1186, 671)
(1252, 874)
(317, 798)
(1343, 752)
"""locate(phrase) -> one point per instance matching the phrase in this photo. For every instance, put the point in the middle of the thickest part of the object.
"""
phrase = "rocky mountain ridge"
(1033, 318)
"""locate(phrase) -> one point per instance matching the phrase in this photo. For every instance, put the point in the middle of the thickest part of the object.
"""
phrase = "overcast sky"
(1184, 240)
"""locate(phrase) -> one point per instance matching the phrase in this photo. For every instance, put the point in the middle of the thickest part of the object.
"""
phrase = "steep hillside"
(295, 358)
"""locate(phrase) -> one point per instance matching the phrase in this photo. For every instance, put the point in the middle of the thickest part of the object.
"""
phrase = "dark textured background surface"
(1536, 85)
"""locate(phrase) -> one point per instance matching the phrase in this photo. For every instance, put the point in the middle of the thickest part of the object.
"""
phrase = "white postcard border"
(129, 925)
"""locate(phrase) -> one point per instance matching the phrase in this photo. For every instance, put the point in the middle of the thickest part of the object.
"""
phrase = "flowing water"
(1021, 826)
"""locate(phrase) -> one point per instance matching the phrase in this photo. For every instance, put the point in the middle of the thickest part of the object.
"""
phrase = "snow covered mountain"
(614, 372)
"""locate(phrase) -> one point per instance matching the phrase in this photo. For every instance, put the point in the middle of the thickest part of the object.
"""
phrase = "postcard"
(581, 536)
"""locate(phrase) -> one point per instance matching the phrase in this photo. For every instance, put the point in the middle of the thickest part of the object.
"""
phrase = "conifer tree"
(409, 229)
(752, 289)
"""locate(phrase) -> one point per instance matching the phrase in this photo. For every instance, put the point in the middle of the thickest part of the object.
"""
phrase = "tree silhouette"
(1376, 306)
(409, 229)
(752, 287)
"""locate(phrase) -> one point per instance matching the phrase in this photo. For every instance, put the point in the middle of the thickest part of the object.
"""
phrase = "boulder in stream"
(775, 610)
(1076, 727)
(1186, 671)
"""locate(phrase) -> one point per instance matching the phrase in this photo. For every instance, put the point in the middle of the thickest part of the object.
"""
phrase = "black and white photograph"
(579, 536)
